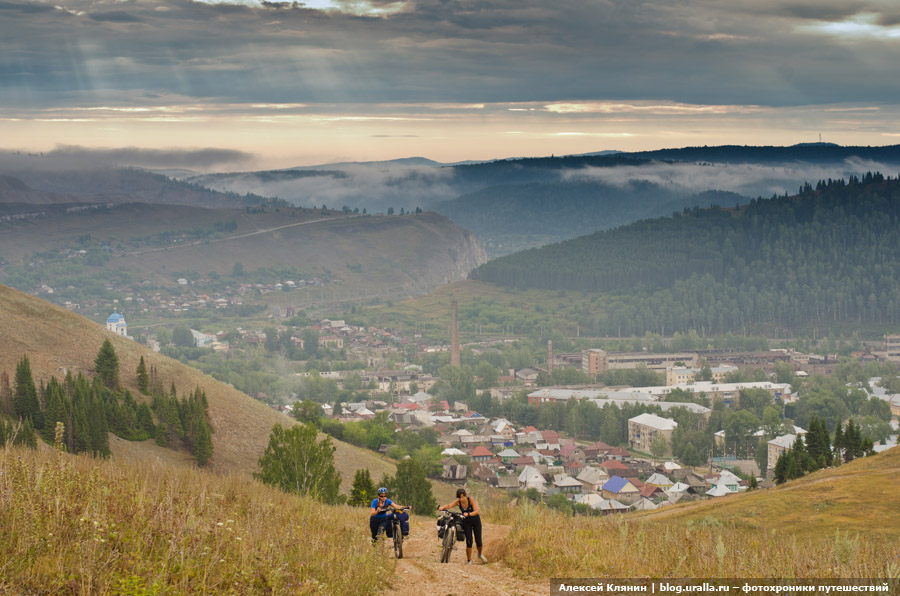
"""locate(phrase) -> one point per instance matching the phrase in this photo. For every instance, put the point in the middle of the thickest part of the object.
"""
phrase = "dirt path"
(420, 573)
(236, 236)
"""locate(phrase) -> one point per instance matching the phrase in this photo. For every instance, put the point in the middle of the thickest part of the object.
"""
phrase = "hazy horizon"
(277, 84)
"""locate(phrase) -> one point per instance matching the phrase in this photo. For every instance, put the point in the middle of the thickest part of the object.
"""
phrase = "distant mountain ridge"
(114, 185)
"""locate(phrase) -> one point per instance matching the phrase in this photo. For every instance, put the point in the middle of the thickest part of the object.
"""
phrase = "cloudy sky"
(276, 84)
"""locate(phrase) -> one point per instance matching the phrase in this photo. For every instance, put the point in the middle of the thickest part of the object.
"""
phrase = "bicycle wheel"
(447, 545)
(398, 540)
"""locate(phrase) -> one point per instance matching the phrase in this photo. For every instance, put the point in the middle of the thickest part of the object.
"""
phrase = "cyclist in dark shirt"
(378, 515)
(471, 523)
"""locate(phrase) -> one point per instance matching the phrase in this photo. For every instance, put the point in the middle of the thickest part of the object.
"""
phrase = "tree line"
(90, 409)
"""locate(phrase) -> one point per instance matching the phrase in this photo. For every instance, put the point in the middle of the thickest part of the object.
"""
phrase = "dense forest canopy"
(828, 255)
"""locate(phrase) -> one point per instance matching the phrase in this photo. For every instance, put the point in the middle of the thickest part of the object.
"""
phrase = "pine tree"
(100, 429)
(143, 422)
(6, 402)
(26, 435)
(363, 490)
(56, 409)
(25, 399)
(838, 442)
(203, 446)
(106, 365)
(794, 463)
(143, 379)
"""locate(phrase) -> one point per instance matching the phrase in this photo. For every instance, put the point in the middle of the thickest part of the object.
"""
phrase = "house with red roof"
(612, 465)
(572, 453)
(597, 450)
(573, 468)
(651, 491)
(480, 453)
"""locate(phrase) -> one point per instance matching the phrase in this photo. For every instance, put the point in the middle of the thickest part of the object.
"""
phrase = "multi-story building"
(644, 428)
(596, 360)
(777, 446)
(682, 374)
(892, 347)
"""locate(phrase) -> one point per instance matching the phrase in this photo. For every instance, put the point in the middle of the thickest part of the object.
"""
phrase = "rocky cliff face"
(452, 254)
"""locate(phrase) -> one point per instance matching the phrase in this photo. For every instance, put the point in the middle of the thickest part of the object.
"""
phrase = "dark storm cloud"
(25, 8)
(762, 52)
(116, 16)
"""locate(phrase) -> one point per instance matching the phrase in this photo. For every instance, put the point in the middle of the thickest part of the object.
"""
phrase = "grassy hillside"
(833, 523)
(56, 340)
(78, 525)
(860, 497)
(133, 243)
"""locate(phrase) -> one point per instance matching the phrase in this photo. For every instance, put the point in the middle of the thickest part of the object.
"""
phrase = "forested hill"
(828, 255)
(820, 153)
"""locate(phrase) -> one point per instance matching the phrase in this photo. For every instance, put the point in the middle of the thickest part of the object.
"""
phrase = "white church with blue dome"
(116, 323)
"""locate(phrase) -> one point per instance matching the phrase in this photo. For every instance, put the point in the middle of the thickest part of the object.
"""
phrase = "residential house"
(506, 430)
(644, 504)
(659, 480)
(718, 490)
(522, 462)
(596, 451)
(609, 506)
(728, 480)
(453, 472)
(613, 466)
(481, 454)
(508, 455)
(620, 489)
(573, 468)
(563, 483)
(530, 477)
(485, 473)
(572, 453)
(651, 491)
(592, 500)
(509, 482)
(593, 478)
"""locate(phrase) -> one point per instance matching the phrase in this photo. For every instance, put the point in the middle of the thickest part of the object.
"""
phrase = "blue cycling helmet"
(382, 491)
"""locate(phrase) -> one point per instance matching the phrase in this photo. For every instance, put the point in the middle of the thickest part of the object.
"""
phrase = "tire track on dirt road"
(420, 572)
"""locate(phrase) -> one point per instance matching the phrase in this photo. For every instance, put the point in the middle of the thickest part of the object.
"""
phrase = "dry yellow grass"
(77, 525)
(860, 497)
(839, 523)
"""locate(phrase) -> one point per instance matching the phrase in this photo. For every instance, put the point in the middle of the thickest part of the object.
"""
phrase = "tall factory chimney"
(454, 333)
(549, 356)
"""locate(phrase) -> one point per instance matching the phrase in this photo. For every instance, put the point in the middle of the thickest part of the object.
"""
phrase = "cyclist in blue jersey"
(378, 515)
